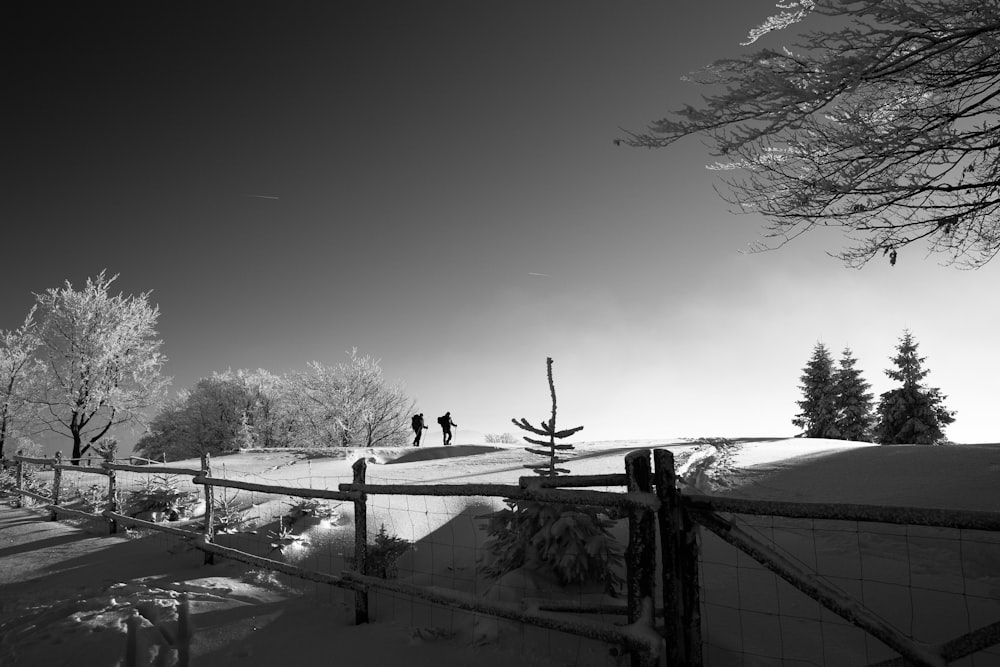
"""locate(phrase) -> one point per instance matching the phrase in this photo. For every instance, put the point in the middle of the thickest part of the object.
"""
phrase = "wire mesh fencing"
(932, 584)
(441, 542)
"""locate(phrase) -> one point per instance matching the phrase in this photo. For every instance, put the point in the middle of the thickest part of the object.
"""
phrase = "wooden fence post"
(640, 556)
(112, 499)
(132, 640)
(56, 484)
(679, 545)
(360, 542)
(206, 471)
(184, 633)
(19, 476)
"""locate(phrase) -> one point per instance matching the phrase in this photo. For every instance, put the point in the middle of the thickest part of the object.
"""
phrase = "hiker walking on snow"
(418, 428)
(446, 424)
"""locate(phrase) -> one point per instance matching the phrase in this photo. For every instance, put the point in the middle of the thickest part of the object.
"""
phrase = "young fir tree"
(853, 403)
(912, 413)
(570, 541)
(818, 418)
(547, 429)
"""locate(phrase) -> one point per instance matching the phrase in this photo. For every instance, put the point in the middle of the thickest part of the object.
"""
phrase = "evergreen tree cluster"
(837, 403)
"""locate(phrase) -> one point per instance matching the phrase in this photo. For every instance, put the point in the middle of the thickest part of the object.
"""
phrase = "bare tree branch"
(885, 127)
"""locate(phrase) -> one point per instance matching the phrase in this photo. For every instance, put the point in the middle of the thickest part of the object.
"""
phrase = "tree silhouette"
(547, 429)
(912, 413)
(853, 402)
(818, 418)
(883, 125)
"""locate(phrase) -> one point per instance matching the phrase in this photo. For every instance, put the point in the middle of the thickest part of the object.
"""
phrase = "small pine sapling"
(309, 509)
(230, 515)
(160, 498)
(571, 542)
(547, 429)
(94, 498)
(283, 538)
(382, 556)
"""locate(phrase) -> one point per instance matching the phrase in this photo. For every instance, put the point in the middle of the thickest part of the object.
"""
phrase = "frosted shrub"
(7, 481)
(501, 439)
(160, 498)
(572, 543)
(383, 554)
(229, 514)
(94, 498)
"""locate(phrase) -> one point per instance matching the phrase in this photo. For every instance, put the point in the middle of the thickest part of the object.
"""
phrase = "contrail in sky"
(544, 275)
(264, 196)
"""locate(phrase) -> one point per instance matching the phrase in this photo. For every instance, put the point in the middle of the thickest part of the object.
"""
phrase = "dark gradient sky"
(294, 179)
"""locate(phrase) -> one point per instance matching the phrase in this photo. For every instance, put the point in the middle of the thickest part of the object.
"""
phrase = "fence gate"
(707, 511)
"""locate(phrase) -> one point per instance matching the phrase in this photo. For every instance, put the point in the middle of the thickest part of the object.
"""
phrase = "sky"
(437, 185)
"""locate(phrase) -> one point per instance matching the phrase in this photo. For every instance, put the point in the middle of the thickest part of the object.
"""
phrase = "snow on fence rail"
(660, 516)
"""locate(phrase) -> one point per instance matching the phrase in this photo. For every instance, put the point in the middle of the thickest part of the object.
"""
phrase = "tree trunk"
(74, 428)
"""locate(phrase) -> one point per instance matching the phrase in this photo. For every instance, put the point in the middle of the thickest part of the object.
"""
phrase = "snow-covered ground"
(65, 591)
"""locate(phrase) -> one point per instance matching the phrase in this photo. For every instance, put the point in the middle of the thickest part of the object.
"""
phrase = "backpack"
(417, 422)
(443, 422)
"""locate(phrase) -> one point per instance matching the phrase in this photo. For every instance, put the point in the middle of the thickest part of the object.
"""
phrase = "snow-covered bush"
(383, 554)
(501, 439)
(229, 515)
(160, 499)
(571, 542)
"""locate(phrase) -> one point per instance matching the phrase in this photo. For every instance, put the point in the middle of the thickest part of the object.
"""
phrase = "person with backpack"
(418, 428)
(446, 424)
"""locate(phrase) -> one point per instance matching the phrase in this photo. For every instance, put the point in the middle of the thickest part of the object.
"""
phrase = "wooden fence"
(638, 636)
(656, 508)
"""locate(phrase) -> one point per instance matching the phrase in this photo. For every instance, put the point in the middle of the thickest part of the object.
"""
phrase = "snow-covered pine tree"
(912, 413)
(853, 403)
(573, 542)
(818, 418)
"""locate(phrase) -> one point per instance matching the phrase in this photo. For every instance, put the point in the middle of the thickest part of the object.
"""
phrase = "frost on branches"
(19, 368)
(102, 360)
(351, 404)
(881, 120)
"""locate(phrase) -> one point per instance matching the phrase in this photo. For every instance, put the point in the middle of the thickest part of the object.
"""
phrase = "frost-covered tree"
(102, 360)
(853, 403)
(264, 410)
(911, 413)
(881, 120)
(818, 418)
(19, 367)
(349, 404)
(220, 413)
